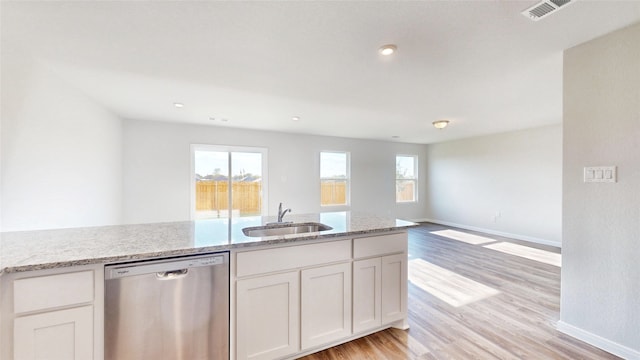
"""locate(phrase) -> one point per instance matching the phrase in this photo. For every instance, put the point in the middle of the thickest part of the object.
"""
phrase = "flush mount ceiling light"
(440, 124)
(178, 105)
(387, 50)
(295, 118)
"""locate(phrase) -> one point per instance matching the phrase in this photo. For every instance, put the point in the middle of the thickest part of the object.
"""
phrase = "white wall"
(508, 184)
(157, 170)
(61, 159)
(600, 299)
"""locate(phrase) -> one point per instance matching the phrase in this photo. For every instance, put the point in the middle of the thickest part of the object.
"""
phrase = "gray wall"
(508, 184)
(601, 221)
(61, 153)
(157, 170)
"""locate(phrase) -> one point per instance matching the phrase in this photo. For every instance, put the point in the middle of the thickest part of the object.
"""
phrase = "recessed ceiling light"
(224, 120)
(395, 137)
(212, 118)
(387, 50)
(296, 118)
(178, 105)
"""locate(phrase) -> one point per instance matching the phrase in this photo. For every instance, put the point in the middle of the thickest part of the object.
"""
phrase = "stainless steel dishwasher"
(172, 309)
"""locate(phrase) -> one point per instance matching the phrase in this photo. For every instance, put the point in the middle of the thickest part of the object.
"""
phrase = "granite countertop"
(46, 249)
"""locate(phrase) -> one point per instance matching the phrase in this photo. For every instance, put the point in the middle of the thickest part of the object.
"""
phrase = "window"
(334, 178)
(406, 178)
(228, 181)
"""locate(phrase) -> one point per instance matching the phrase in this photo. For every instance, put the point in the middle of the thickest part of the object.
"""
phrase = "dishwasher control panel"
(155, 266)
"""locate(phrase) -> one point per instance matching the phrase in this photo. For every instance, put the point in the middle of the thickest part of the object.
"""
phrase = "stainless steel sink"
(284, 229)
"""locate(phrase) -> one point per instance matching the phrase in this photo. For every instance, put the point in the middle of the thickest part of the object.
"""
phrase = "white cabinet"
(325, 305)
(394, 288)
(288, 299)
(294, 300)
(379, 283)
(52, 314)
(268, 316)
(367, 312)
(281, 314)
(62, 334)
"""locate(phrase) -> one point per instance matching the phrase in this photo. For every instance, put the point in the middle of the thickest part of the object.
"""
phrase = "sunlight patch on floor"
(446, 285)
(544, 256)
(464, 237)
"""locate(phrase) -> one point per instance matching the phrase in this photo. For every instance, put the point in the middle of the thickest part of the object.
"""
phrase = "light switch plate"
(600, 174)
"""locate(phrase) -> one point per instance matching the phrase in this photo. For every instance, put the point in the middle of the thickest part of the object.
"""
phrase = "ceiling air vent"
(544, 8)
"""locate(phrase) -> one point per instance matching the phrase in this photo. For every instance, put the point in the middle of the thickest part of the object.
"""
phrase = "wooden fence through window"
(247, 196)
(405, 190)
(213, 195)
(333, 192)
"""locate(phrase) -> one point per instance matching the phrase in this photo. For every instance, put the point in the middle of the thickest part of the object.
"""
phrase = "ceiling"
(480, 64)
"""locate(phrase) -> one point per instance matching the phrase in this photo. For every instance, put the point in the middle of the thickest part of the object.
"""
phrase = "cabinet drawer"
(292, 257)
(379, 245)
(52, 291)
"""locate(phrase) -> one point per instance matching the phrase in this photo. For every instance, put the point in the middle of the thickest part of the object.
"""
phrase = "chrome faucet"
(282, 213)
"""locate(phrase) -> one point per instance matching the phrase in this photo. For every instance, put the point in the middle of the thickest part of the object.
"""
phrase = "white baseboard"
(598, 341)
(494, 232)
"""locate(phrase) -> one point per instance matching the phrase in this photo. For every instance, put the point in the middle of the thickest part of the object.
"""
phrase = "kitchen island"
(290, 294)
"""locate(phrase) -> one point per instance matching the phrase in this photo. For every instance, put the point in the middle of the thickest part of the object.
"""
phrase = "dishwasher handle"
(171, 275)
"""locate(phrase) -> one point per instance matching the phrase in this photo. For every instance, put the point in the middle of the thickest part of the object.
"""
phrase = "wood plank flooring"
(474, 296)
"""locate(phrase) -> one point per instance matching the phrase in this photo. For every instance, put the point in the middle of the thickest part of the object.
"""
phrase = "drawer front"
(292, 257)
(379, 245)
(45, 292)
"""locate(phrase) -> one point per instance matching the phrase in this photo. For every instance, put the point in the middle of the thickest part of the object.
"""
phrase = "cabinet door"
(367, 294)
(394, 288)
(268, 316)
(326, 304)
(55, 335)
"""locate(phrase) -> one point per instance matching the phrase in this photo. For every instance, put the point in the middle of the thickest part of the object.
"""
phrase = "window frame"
(414, 179)
(228, 149)
(347, 179)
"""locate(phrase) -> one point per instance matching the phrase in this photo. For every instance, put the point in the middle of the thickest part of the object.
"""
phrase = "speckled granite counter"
(46, 249)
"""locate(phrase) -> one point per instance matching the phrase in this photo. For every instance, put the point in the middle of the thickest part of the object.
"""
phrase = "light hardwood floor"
(472, 297)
